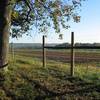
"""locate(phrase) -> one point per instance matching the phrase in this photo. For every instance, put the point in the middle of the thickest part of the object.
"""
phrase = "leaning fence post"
(72, 54)
(44, 53)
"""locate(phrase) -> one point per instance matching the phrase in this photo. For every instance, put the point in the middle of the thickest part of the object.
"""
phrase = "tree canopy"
(43, 14)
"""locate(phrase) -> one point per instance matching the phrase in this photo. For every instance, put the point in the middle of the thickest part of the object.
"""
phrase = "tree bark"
(5, 21)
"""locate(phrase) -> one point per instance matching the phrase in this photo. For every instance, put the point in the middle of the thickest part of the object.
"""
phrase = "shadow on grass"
(73, 86)
(80, 88)
(22, 62)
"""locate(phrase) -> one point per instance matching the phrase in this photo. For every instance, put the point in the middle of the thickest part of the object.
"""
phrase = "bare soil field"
(80, 57)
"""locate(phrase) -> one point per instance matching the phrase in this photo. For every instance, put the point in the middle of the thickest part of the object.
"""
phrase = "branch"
(30, 9)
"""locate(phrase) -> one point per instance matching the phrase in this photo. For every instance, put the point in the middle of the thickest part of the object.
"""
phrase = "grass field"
(26, 79)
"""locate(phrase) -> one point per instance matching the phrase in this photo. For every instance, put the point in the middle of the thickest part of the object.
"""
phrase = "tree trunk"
(5, 21)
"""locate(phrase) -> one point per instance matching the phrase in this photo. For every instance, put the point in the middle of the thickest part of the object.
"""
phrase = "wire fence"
(74, 58)
(88, 58)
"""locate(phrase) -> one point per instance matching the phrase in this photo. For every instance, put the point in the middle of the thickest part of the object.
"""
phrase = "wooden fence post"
(72, 54)
(44, 53)
(12, 52)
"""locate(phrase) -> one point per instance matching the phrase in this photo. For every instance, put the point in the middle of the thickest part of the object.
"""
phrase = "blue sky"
(88, 30)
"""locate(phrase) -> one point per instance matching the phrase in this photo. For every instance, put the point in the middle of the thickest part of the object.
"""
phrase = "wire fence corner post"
(72, 55)
(44, 52)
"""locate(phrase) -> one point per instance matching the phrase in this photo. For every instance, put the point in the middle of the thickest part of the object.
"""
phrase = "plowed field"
(62, 56)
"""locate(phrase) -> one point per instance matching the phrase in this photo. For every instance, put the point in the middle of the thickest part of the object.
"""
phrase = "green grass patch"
(26, 79)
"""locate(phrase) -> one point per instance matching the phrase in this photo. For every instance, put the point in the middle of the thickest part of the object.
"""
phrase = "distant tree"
(17, 17)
